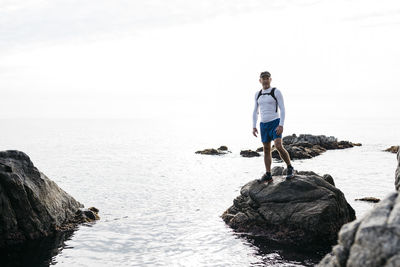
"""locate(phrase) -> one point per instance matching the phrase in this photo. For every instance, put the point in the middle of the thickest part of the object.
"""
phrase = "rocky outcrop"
(304, 211)
(392, 149)
(249, 153)
(397, 174)
(33, 206)
(373, 240)
(212, 151)
(307, 146)
(368, 199)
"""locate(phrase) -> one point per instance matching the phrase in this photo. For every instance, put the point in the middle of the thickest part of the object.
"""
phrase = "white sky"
(158, 58)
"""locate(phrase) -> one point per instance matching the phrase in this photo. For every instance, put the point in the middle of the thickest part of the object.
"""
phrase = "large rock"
(397, 175)
(306, 211)
(307, 146)
(392, 149)
(373, 240)
(31, 205)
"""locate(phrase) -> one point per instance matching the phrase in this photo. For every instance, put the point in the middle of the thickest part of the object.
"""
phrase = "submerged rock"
(32, 206)
(303, 211)
(368, 199)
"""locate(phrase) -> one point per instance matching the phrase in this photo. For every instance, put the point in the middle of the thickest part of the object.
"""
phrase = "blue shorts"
(268, 130)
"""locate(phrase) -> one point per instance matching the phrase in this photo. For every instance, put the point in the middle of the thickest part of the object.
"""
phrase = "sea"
(160, 203)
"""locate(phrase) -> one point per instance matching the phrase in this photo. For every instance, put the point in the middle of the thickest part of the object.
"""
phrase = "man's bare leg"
(285, 156)
(267, 156)
(282, 151)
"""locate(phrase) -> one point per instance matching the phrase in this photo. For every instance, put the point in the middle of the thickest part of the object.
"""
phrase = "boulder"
(397, 174)
(373, 240)
(305, 211)
(249, 153)
(392, 149)
(31, 205)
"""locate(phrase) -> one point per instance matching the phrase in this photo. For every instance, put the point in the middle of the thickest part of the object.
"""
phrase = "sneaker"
(290, 172)
(267, 177)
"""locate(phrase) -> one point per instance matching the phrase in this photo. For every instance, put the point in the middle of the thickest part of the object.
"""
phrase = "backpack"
(271, 94)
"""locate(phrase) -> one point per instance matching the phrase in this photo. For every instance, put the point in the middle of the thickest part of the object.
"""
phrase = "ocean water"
(160, 203)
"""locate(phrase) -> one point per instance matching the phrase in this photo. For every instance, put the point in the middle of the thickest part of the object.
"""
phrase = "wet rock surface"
(306, 210)
(33, 206)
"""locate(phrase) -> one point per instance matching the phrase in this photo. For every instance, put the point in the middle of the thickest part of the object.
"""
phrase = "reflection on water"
(272, 254)
(39, 252)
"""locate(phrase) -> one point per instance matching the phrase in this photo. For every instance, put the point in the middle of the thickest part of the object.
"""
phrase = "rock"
(392, 149)
(32, 206)
(277, 170)
(329, 179)
(249, 153)
(373, 240)
(306, 146)
(397, 174)
(368, 199)
(212, 151)
(260, 149)
(305, 211)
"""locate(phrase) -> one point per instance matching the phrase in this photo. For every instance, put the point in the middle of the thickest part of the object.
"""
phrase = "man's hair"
(265, 74)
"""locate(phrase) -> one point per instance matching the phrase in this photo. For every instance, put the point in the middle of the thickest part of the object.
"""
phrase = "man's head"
(265, 79)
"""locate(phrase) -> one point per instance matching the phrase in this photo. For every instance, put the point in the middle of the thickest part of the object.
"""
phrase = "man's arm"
(281, 104)
(255, 115)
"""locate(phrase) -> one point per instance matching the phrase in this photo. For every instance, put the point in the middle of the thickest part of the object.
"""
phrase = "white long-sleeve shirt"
(267, 106)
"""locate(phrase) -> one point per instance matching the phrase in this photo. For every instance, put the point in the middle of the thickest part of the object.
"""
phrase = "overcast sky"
(147, 58)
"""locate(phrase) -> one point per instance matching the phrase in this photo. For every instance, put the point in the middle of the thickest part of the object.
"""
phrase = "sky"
(151, 59)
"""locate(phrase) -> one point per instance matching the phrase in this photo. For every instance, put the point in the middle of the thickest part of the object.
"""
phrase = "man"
(267, 102)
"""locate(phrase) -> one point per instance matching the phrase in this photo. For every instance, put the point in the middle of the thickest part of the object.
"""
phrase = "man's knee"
(278, 145)
(267, 147)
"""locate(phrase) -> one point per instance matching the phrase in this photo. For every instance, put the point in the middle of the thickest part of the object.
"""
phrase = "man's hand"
(255, 132)
(279, 130)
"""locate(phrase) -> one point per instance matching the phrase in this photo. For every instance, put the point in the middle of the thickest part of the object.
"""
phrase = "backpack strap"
(259, 94)
(276, 100)
(271, 94)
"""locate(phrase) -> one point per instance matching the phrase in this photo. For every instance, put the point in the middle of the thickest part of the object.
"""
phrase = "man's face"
(265, 81)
